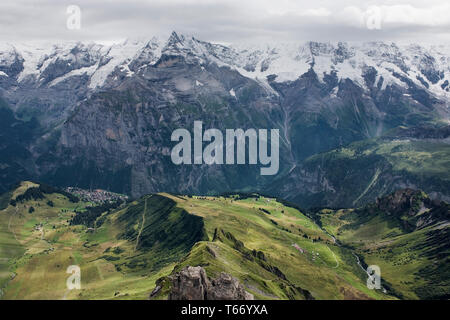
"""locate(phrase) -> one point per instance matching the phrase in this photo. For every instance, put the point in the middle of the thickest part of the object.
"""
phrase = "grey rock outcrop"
(192, 283)
(225, 287)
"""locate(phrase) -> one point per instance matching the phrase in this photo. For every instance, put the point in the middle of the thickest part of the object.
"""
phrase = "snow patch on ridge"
(78, 72)
(116, 55)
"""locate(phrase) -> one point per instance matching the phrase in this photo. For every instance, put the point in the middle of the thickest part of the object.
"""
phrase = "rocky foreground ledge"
(192, 283)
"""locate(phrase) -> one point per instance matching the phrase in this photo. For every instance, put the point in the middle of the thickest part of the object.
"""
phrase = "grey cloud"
(223, 20)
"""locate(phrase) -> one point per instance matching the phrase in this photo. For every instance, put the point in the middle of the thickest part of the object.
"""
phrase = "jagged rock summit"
(192, 283)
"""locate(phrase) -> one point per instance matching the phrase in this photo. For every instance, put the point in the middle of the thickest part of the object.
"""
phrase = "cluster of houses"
(96, 195)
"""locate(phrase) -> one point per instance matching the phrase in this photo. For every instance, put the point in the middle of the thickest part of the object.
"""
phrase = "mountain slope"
(16, 160)
(121, 257)
(359, 172)
(274, 250)
(406, 234)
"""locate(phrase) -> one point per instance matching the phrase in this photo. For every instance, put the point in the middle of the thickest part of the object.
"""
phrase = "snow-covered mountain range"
(53, 65)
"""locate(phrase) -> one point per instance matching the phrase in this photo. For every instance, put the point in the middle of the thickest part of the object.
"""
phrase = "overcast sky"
(229, 21)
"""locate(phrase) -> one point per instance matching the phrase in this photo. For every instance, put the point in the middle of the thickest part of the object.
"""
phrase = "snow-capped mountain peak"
(51, 65)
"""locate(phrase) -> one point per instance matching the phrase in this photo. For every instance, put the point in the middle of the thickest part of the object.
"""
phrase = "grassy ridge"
(261, 224)
(112, 265)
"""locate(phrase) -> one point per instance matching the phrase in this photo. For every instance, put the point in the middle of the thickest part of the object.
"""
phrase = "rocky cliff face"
(106, 113)
(192, 283)
(410, 209)
(415, 208)
(130, 149)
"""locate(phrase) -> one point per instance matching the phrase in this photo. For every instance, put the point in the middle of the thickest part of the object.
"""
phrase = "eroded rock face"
(192, 283)
(225, 287)
(410, 209)
(402, 201)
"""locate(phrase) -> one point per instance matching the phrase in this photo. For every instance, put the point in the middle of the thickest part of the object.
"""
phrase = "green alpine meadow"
(134, 249)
